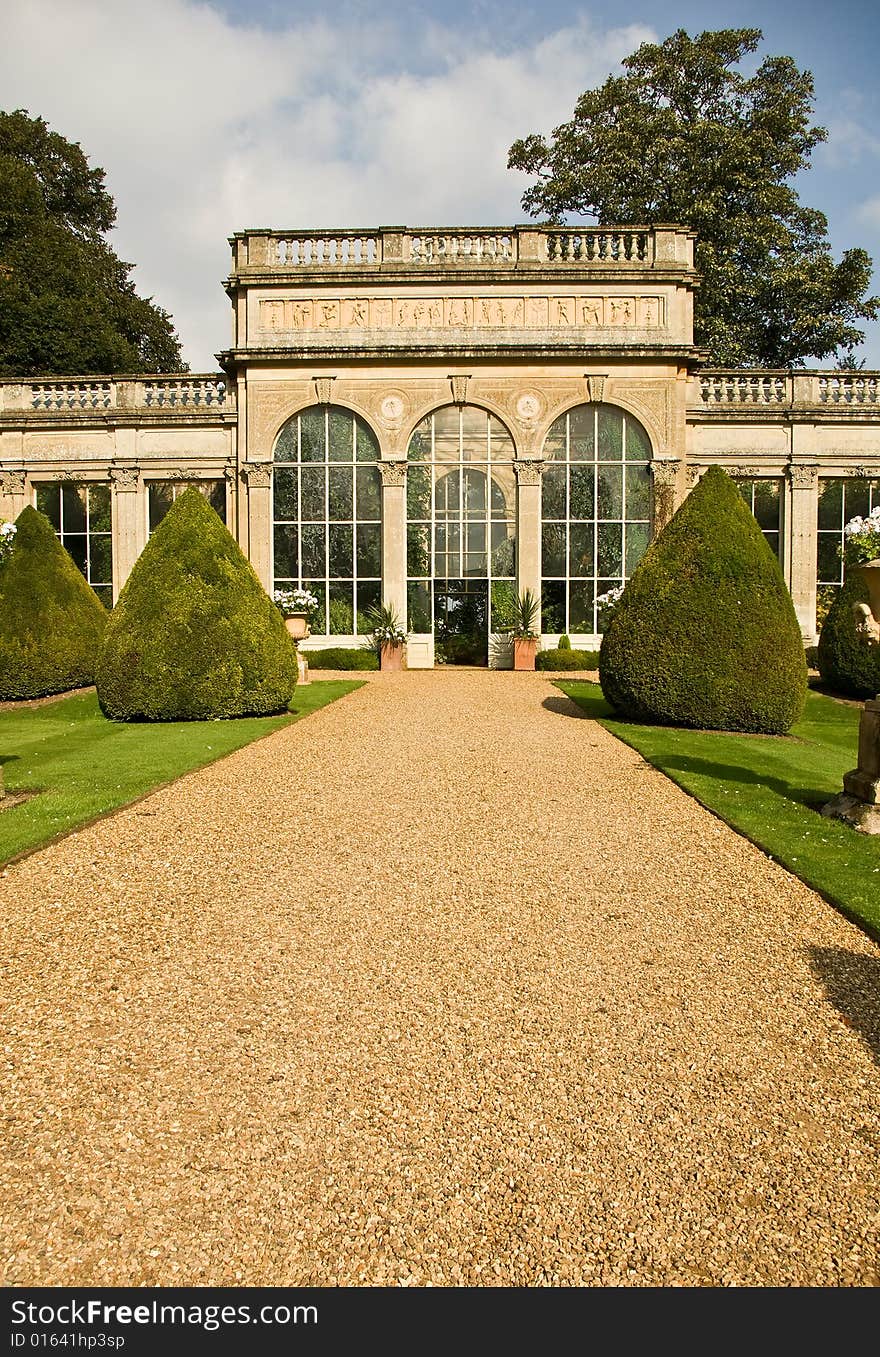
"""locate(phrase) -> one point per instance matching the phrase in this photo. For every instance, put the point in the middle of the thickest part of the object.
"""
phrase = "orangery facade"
(441, 419)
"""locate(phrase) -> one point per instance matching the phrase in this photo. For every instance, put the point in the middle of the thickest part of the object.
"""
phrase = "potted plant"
(298, 607)
(388, 636)
(525, 633)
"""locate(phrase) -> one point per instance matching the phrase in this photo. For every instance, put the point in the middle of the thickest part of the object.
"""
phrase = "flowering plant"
(293, 601)
(862, 538)
(608, 602)
(7, 540)
(387, 630)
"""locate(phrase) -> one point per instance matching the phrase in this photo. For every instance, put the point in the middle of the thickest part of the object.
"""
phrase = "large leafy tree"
(67, 303)
(683, 136)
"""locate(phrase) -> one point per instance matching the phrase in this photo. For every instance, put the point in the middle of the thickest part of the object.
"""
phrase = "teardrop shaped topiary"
(705, 634)
(846, 659)
(194, 635)
(51, 620)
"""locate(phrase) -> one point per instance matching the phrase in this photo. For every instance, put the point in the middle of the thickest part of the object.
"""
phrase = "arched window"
(596, 510)
(461, 516)
(327, 516)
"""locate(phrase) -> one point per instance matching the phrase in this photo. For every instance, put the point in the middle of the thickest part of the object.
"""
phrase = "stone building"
(442, 418)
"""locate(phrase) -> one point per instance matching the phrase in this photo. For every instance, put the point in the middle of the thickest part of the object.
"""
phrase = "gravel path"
(445, 985)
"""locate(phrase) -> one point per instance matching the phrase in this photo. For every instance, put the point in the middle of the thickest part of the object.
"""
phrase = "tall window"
(461, 516)
(839, 501)
(162, 495)
(327, 516)
(80, 515)
(596, 511)
(764, 499)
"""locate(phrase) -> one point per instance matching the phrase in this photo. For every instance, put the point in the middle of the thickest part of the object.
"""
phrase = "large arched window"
(327, 516)
(596, 510)
(461, 516)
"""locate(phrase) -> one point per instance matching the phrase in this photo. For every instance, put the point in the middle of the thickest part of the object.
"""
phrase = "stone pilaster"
(666, 476)
(258, 478)
(394, 536)
(129, 521)
(13, 495)
(803, 514)
(528, 526)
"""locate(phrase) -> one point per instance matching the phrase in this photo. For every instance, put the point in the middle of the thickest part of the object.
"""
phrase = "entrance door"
(461, 621)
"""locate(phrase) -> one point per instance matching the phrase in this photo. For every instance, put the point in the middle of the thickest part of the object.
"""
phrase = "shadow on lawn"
(590, 705)
(852, 984)
(811, 797)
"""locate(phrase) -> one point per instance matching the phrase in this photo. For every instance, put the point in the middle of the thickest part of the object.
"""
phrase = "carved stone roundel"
(392, 409)
(528, 407)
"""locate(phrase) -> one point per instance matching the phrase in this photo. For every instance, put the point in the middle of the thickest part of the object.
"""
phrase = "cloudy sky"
(209, 117)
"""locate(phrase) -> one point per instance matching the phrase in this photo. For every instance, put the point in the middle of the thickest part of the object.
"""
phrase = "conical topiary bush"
(848, 662)
(51, 620)
(705, 634)
(194, 635)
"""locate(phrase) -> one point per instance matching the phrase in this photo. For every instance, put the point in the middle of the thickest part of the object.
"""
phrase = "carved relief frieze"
(287, 315)
(12, 482)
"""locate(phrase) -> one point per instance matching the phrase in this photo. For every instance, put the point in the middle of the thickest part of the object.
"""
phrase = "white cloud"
(205, 128)
(868, 213)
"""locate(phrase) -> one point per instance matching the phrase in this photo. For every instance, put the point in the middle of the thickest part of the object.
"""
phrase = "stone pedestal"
(859, 802)
(302, 670)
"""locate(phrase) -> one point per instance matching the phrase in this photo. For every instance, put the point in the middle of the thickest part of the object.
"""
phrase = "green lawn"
(769, 788)
(84, 765)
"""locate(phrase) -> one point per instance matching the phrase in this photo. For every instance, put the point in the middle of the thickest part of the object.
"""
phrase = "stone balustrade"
(769, 389)
(184, 392)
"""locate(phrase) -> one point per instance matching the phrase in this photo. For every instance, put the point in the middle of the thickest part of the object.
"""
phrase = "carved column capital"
(11, 482)
(257, 475)
(125, 477)
(459, 384)
(230, 471)
(666, 473)
(528, 471)
(803, 477)
(392, 473)
(322, 389)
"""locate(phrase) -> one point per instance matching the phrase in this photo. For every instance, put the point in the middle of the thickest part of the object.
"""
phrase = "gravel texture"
(442, 985)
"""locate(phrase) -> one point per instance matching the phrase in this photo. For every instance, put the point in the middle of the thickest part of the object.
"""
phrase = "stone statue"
(859, 802)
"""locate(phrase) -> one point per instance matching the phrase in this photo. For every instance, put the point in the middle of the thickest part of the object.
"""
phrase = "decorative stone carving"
(497, 312)
(753, 472)
(665, 477)
(183, 473)
(459, 385)
(122, 477)
(257, 475)
(666, 473)
(230, 471)
(529, 407)
(12, 482)
(692, 474)
(392, 473)
(322, 389)
(596, 388)
(651, 402)
(393, 408)
(528, 472)
(803, 477)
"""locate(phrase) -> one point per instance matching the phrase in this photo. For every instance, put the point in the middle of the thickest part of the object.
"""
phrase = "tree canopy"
(682, 136)
(67, 302)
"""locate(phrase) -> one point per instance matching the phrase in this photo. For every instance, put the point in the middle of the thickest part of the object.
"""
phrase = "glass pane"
(101, 559)
(553, 492)
(341, 551)
(369, 493)
(553, 606)
(503, 549)
(160, 495)
(341, 493)
(580, 550)
(340, 437)
(474, 563)
(474, 492)
(73, 508)
(418, 492)
(313, 492)
(285, 493)
(418, 550)
(609, 551)
(369, 550)
(475, 536)
(341, 610)
(582, 434)
(610, 492)
(285, 445)
(419, 449)
(553, 549)
(367, 449)
(368, 596)
(313, 540)
(637, 537)
(49, 503)
(503, 500)
(446, 493)
(830, 565)
(582, 490)
(638, 492)
(766, 504)
(638, 444)
(285, 552)
(831, 504)
(857, 498)
(418, 596)
(554, 443)
(580, 607)
(500, 441)
(215, 493)
(319, 589)
(75, 543)
(610, 434)
(99, 508)
(311, 425)
(503, 604)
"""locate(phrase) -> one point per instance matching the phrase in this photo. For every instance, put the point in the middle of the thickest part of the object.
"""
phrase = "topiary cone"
(706, 634)
(194, 635)
(51, 620)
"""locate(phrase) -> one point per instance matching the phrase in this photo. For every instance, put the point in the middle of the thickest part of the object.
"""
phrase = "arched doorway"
(461, 533)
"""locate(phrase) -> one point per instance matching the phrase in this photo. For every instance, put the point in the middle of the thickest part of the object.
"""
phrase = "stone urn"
(298, 626)
(868, 614)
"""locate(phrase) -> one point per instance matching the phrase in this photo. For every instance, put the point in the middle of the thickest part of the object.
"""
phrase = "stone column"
(258, 478)
(128, 521)
(394, 536)
(801, 545)
(13, 495)
(528, 525)
(666, 476)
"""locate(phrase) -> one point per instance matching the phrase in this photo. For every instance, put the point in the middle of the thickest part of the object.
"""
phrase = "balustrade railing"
(598, 246)
(183, 392)
(330, 251)
(744, 388)
(849, 388)
(741, 388)
(71, 395)
(191, 392)
(438, 247)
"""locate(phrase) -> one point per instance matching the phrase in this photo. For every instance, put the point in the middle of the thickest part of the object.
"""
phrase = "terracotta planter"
(391, 658)
(298, 626)
(524, 650)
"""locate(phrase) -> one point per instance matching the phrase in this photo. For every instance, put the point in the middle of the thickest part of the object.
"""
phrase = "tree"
(67, 303)
(684, 137)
